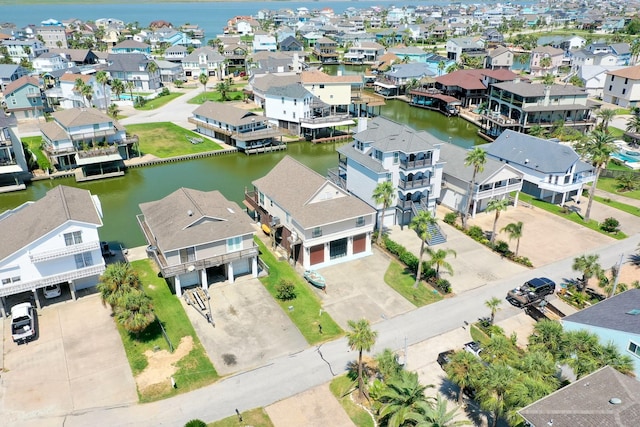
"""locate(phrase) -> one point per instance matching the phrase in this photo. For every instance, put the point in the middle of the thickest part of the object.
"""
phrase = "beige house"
(538, 56)
(336, 91)
(622, 87)
(53, 36)
(499, 58)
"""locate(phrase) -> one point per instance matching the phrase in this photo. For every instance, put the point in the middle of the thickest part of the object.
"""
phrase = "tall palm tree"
(383, 194)
(462, 370)
(548, 79)
(117, 87)
(497, 206)
(360, 337)
(493, 304)
(537, 131)
(635, 51)
(605, 114)
(476, 158)
(87, 93)
(589, 267)
(130, 86)
(421, 224)
(135, 311)
(79, 87)
(453, 67)
(545, 62)
(103, 78)
(223, 87)
(203, 79)
(113, 111)
(441, 67)
(438, 259)
(400, 397)
(117, 280)
(633, 123)
(152, 67)
(514, 230)
(495, 383)
(438, 415)
(547, 336)
(598, 149)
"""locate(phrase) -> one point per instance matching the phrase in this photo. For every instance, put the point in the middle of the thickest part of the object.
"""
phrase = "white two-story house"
(13, 165)
(314, 220)
(384, 150)
(52, 241)
(196, 236)
(286, 105)
(204, 60)
(69, 96)
(622, 87)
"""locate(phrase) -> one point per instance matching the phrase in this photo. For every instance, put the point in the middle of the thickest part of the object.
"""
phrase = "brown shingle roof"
(22, 81)
(70, 77)
(316, 76)
(632, 73)
(226, 113)
(292, 186)
(59, 205)
(81, 117)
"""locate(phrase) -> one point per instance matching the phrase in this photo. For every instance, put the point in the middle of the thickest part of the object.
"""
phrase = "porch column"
(368, 243)
(203, 278)
(36, 298)
(515, 200)
(542, 194)
(564, 198)
(230, 272)
(553, 198)
(327, 252)
(178, 287)
(72, 290)
(3, 307)
(350, 246)
(254, 266)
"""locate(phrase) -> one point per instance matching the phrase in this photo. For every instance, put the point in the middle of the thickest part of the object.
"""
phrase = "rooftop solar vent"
(634, 312)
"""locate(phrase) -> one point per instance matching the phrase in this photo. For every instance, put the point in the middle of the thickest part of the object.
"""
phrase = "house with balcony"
(24, 98)
(594, 78)
(67, 95)
(264, 42)
(10, 73)
(86, 139)
(545, 60)
(50, 62)
(175, 53)
(134, 67)
(27, 50)
(336, 91)
(53, 36)
(197, 237)
(13, 165)
(499, 58)
(131, 46)
(394, 81)
(496, 181)
(53, 240)
(469, 46)
(471, 86)
(234, 126)
(290, 44)
(80, 57)
(167, 37)
(622, 87)
(315, 221)
(410, 53)
(552, 171)
(384, 150)
(204, 60)
(325, 50)
(363, 52)
(521, 105)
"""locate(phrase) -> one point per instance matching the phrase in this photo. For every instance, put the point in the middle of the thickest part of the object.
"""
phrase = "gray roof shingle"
(226, 113)
(294, 91)
(531, 89)
(454, 157)
(386, 135)
(612, 313)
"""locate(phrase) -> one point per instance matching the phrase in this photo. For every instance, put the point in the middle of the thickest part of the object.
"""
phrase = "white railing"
(65, 251)
(51, 280)
(497, 191)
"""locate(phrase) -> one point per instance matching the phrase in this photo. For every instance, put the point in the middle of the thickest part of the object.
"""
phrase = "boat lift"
(196, 298)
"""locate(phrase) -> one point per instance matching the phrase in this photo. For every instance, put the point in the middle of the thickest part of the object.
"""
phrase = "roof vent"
(634, 312)
(190, 212)
(615, 401)
(526, 161)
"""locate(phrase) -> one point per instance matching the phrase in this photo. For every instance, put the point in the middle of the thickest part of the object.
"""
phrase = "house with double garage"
(204, 60)
(615, 320)
(135, 68)
(314, 220)
(521, 105)
(235, 126)
(24, 98)
(86, 139)
(622, 87)
(552, 171)
(496, 181)
(197, 237)
(604, 398)
(52, 241)
(13, 164)
(384, 150)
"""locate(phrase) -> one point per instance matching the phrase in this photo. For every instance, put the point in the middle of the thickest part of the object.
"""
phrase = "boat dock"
(266, 149)
(433, 99)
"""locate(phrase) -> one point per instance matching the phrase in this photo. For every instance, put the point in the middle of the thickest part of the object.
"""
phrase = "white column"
(37, 298)
(475, 208)
(203, 278)
(254, 266)
(3, 307)
(564, 198)
(368, 243)
(177, 286)
(72, 289)
(327, 253)
(230, 272)
(515, 200)
(350, 246)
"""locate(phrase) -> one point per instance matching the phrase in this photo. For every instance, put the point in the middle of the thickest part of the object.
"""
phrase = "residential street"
(295, 373)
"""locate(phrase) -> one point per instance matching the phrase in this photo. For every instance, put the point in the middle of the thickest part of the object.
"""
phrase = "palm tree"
(633, 124)
(117, 280)
(79, 87)
(203, 79)
(400, 397)
(598, 149)
(383, 194)
(635, 51)
(223, 87)
(135, 311)
(360, 337)
(441, 67)
(514, 230)
(495, 382)
(113, 111)
(589, 267)
(438, 415)
(476, 158)
(547, 336)
(130, 86)
(537, 131)
(438, 259)
(499, 348)
(87, 93)
(494, 305)
(539, 365)
(117, 87)
(548, 79)
(421, 224)
(103, 78)
(453, 67)
(545, 62)
(388, 365)
(605, 114)
(497, 205)
(463, 368)
(152, 67)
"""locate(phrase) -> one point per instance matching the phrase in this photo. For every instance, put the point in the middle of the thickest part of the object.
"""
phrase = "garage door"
(190, 279)
(241, 266)
(359, 243)
(317, 255)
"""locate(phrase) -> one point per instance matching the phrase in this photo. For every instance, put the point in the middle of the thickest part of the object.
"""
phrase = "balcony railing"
(415, 164)
(334, 176)
(415, 183)
(84, 154)
(328, 119)
(200, 264)
(15, 288)
(65, 251)
(497, 191)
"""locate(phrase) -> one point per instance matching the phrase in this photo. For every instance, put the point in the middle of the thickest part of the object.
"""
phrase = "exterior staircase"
(435, 235)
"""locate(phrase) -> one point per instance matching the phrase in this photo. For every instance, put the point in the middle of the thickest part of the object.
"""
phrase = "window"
(378, 155)
(10, 280)
(317, 232)
(612, 78)
(294, 114)
(282, 99)
(610, 87)
(634, 348)
(295, 102)
(74, 238)
(187, 255)
(625, 81)
(96, 126)
(624, 91)
(261, 198)
(360, 221)
(396, 158)
(83, 260)
(321, 86)
(234, 244)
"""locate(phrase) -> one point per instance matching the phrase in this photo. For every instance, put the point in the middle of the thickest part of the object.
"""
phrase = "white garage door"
(190, 279)
(241, 266)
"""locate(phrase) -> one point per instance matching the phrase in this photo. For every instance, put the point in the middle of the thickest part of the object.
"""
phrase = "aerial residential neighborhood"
(320, 214)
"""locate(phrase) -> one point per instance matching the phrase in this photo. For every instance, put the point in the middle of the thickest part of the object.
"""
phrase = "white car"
(22, 322)
(52, 291)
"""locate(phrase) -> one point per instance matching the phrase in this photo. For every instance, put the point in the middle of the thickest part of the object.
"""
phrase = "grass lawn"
(159, 101)
(633, 210)
(306, 306)
(165, 139)
(478, 335)
(195, 369)
(572, 216)
(615, 132)
(401, 279)
(614, 166)
(341, 387)
(610, 185)
(255, 417)
(235, 94)
(34, 143)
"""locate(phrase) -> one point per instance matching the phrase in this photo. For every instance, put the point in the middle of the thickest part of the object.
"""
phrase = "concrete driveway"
(76, 363)
(250, 327)
(356, 290)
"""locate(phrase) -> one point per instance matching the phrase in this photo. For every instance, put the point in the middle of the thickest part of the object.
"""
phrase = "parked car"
(473, 348)
(532, 291)
(52, 291)
(445, 357)
(22, 322)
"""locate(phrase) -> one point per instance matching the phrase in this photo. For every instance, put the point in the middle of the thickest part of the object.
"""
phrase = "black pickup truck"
(532, 291)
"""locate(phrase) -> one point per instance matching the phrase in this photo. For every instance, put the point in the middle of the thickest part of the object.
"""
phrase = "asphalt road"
(292, 374)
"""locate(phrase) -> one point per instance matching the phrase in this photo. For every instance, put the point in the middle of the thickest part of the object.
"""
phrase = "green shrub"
(476, 233)
(610, 225)
(450, 218)
(393, 247)
(501, 247)
(427, 272)
(410, 260)
(165, 91)
(523, 260)
(285, 290)
(444, 285)
(195, 423)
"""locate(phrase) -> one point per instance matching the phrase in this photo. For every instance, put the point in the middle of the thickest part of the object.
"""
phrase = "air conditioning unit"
(275, 221)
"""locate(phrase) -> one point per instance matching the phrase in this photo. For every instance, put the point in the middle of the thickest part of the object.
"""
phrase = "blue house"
(616, 320)
(410, 53)
(131, 46)
(24, 98)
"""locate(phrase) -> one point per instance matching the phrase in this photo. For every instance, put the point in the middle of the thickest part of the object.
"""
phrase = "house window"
(625, 81)
(294, 114)
(83, 260)
(234, 244)
(261, 198)
(624, 91)
(634, 348)
(295, 102)
(321, 86)
(187, 255)
(282, 99)
(610, 87)
(389, 176)
(360, 221)
(396, 158)
(74, 238)
(317, 232)
(10, 280)
(96, 126)
(612, 78)
(378, 155)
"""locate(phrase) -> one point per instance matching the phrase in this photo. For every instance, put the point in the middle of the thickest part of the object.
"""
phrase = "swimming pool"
(625, 157)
